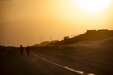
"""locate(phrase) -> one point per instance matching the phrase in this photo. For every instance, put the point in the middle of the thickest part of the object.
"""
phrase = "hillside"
(90, 35)
(91, 38)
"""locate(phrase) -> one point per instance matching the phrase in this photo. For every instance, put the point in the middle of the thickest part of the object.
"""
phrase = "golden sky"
(29, 22)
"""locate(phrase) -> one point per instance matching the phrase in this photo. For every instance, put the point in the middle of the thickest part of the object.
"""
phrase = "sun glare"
(94, 6)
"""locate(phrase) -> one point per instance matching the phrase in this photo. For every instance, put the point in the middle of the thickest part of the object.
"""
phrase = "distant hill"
(44, 43)
(91, 38)
(90, 35)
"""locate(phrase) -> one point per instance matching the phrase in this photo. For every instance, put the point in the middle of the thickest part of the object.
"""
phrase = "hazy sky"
(29, 22)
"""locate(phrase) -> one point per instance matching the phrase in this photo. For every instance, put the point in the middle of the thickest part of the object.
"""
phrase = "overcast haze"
(29, 22)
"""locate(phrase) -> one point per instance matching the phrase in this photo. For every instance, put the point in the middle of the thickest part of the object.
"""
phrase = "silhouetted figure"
(28, 50)
(21, 49)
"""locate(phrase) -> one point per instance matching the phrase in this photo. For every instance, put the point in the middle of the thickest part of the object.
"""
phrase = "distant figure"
(21, 49)
(28, 50)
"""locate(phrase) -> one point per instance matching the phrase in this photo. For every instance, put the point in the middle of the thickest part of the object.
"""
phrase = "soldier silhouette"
(28, 50)
(21, 49)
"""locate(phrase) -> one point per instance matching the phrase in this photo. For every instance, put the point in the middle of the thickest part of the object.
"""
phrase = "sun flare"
(94, 5)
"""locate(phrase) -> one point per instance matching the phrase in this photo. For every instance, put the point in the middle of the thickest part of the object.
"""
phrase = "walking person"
(21, 49)
(28, 50)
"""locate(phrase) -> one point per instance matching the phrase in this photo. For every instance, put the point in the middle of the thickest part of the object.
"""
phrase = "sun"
(94, 6)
